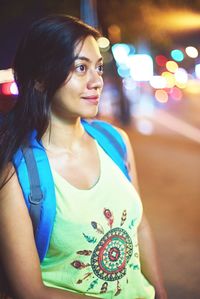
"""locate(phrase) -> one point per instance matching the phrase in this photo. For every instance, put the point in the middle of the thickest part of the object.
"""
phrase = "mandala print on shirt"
(110, 257)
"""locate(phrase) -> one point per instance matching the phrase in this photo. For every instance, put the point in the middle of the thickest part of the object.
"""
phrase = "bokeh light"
(181, 85)
(141, 67)
(181, 75)
(197, 70)
(129, 83)
(193, 87)
(171, 66)
(114, 33)
(177, 55)
(6, 75)
(123, 71)
(169, 78)
(13, 88)
(9, 88)
(158, 82)
(191, 52)
(161, 96)
(145, 126)
(176, 94)
(161, 60)
(104, 43)
(120, 52)
(6, 88)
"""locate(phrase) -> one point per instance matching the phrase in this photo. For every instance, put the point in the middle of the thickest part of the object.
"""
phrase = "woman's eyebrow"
(87, 59)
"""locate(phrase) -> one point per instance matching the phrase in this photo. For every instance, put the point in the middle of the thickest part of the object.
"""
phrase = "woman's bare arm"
(18, 254)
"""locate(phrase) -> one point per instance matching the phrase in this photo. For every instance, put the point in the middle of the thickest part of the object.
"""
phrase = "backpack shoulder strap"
(110, 140)
(35, 178)
(36, 196)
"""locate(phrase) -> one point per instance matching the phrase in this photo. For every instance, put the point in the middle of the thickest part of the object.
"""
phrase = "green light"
(177, 55)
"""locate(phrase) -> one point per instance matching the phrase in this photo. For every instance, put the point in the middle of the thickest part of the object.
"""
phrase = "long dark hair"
(45, 56)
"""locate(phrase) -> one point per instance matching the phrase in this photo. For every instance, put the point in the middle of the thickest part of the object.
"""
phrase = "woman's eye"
(100, 69)
(81, 68)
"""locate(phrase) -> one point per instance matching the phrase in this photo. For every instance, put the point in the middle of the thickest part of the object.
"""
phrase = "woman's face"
(80, 93)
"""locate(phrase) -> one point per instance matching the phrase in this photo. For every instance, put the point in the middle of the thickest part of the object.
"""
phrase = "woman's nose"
(95, 80)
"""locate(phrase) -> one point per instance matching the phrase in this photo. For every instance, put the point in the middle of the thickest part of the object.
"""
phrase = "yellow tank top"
(94, 247)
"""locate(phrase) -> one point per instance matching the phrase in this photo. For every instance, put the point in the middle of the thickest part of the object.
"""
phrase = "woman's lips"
(92, 99)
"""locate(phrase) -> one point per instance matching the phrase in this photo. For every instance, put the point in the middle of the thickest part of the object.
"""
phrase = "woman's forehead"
(87, 47)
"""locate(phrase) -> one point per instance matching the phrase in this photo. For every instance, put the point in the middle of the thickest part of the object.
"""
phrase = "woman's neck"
(66, 135)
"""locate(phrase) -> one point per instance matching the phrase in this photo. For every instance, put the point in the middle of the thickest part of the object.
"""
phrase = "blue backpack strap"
(110, 140)
(47, 209)
(36, 195)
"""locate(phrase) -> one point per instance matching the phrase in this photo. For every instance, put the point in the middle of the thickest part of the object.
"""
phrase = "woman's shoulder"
(6, 173)
(9, 184)
(124, 136)
(130, 156)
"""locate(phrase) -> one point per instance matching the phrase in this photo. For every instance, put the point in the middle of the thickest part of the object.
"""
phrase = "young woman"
(101, 245)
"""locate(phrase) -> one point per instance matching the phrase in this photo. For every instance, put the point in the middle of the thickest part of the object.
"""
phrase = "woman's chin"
(89, 113)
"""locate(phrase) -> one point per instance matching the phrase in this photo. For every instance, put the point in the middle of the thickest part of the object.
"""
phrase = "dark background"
(129, 15)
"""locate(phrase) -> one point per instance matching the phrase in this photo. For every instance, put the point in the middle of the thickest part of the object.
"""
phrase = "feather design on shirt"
(118, 291)
(84, 277)
(132, 223)
(90, 239)
(79, 265)
(84, 252)
(93, 284)
(123, 218)
(104, 287)
(97, 227)
(134, 266)
(109, 217)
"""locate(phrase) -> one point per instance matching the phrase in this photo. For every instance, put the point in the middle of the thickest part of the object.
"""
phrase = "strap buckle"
(36, 199)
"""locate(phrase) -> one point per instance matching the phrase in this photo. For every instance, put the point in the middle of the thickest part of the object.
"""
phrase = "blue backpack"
(35, 177)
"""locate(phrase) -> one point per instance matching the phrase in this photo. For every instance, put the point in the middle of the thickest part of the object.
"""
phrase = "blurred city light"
(181, 85)
(197, 70)
(123, 71)
(192, 52)
(176, 94)
(9, 88)
(181, 75)
(145, 126)
(141, 67)
(13, 88)
(129, 83)
(171, 66)
(120, 52)
(193, 87)
(158, 82)
(169, 78)
(104, 43)
(177, 55)
(114, 33)
(5, 88)
(6, 75)
(174, 20)
(161, 96)
(132, 49)
(161, 60)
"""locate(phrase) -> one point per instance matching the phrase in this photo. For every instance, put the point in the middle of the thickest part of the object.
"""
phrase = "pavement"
(168, 168)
